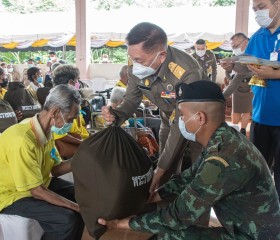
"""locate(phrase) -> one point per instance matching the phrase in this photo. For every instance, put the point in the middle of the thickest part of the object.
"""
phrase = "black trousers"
(57, 222)
(267, 140)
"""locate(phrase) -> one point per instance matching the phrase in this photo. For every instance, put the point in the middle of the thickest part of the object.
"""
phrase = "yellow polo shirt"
(27, 158)
(120, 84)
(2, 93)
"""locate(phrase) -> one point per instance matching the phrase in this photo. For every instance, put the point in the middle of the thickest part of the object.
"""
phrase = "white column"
(242, 16)
(82, 38)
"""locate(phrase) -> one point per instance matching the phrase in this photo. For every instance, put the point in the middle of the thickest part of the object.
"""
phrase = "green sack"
(112, 176)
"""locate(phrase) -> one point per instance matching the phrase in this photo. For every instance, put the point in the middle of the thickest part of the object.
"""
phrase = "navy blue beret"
(199, 91)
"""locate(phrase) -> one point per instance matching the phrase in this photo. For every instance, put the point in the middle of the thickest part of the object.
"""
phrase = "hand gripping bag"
(112, 176)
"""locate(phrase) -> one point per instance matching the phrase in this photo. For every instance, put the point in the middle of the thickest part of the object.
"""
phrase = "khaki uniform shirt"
(178, 67)
(242, 75)
(209, 64)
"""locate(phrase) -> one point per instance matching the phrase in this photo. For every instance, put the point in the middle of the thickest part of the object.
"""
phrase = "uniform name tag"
(274, 56)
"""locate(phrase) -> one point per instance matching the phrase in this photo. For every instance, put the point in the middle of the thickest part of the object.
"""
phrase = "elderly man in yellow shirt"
(123, 77)
(30, 166)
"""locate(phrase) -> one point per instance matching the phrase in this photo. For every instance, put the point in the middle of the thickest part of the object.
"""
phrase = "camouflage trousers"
(198, 233)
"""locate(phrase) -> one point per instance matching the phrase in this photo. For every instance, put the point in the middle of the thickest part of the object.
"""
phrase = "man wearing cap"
(230, 176)
(154, 70)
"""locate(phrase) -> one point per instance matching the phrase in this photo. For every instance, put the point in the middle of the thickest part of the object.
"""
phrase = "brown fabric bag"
(7, 115)
(68, 145)
(112, 176)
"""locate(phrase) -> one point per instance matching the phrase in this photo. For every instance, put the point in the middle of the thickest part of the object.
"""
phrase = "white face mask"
(262, 17)
(186, 134)
(238, 51)
(200, 53)
(10, 70)
(142, 71)
(5, 70)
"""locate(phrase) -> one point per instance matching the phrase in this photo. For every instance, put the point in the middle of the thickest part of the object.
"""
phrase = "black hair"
(200, 42)
(239, 35)
(64, 73)
(31, 72)
(52, 52)
(150, 34)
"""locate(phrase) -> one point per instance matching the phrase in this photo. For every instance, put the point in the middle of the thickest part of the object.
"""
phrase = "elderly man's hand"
(18, 114)
(116, 223)
(107, 115)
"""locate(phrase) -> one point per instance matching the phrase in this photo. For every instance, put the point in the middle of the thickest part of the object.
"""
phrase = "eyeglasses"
(238, 45)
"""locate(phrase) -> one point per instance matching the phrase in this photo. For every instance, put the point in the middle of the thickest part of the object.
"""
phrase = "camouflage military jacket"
(232, 177)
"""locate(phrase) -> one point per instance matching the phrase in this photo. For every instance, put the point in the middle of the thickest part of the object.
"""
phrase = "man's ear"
(202, 118)
(163, 56)
(54, 112)
(71, 82)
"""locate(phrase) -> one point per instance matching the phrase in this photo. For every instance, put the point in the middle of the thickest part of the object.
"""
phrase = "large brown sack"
(7, 115)
(112, 176)
(21, 99)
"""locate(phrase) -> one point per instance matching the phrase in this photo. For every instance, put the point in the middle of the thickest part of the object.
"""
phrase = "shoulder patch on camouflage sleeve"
(219, 159)
(176, 69)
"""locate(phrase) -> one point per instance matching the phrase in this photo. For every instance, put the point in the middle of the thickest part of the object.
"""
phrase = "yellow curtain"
(213, 45)
(40, 43)
(10, 45)
(72, 42)
(114, 43)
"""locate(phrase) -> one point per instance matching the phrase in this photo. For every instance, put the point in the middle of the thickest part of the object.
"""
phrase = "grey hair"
(64, 97)
(123, 72)
(117, 95)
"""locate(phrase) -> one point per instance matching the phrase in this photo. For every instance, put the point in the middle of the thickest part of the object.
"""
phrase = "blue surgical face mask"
(142, 71)
(187, 135)
(64, 129)
(39, 79)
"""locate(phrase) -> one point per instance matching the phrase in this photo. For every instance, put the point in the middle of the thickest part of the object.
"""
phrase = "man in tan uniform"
(238, 85)
(206, 59)
(154, 70)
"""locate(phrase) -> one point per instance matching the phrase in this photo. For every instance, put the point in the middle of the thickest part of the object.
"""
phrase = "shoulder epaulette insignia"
(219, 159)
(147, 83)
(177, 70)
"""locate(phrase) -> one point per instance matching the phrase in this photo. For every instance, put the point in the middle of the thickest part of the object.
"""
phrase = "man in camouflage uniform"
(206, 59)
(154, 70)
(231, 176)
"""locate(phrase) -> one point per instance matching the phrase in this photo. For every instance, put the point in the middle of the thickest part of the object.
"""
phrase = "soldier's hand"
(116, 223)
(156, 179)
(226, 65)
(107, 115)
(154, 197)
